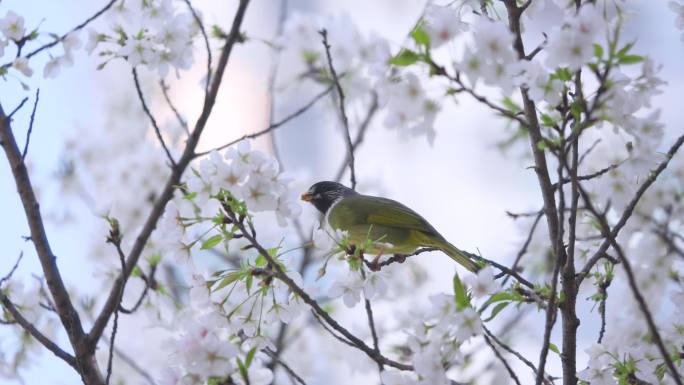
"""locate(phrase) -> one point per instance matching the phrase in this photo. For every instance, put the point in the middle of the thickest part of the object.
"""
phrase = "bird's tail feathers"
(460, 256)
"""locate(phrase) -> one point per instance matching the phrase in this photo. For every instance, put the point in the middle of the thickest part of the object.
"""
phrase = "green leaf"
(405, 58)
(630, 59)
(547, 120)
(563, 74)
(310, 57)
(249, 357)
(243, 371)
(154, 259)
(230, 278)
(211, 242)
(554, 348)
(260, 261)
(598, 50)
(623, 51)
(497, 309)
(511, 105)
(541, 145)
(136, 272)
(460, 293)
(248, 282)
(420, 36)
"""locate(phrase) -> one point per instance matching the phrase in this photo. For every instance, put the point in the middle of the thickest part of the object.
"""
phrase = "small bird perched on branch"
(391, 227)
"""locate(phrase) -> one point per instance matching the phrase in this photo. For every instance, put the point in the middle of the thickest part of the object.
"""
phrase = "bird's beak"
(307, 197)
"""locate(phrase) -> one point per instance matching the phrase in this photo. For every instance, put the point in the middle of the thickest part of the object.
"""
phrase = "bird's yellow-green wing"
(369, 210)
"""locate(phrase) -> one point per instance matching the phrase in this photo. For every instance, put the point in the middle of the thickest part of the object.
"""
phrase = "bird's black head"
(323, 194)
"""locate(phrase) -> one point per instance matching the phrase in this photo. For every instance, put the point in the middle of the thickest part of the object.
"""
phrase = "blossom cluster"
(153, 33)
(14, 30)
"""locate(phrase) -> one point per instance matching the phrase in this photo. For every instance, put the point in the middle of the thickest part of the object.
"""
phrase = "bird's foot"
(401, 258)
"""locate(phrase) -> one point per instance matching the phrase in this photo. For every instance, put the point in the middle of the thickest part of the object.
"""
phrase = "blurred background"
(463, 184)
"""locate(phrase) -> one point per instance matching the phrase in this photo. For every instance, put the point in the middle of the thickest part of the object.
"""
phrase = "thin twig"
(330, 331)
(371, 323)
(17, 108)
(288, 369)
(115, 239)
(603, 290)
(360, 135)
(157, 130)
(30, 129)
(507, 348)
(273, 126)
(76, 28)
(132, 363)
(525, 245)
(205, 37)
(343, 110)
(167, 98)
(12, 270)
(502, 359)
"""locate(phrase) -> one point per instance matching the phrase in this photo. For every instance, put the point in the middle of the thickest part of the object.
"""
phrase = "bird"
(390, 226)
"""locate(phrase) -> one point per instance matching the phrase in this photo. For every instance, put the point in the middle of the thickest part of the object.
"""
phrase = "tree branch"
(111, 303)
(280, 274)
(35, 333)
(85, 361)
(343, 110)
(153, 121)
(30, 129)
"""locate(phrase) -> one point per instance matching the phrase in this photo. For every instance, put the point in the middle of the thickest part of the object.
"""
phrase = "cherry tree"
(226, 280)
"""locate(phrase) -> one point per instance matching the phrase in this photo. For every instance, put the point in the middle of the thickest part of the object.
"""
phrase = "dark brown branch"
(547, 190)
(174, 180)
(153, 121)
(273, 126)
(85, 361)
(76, 28)
(35, 333)
(30, 128)
(343, 110)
